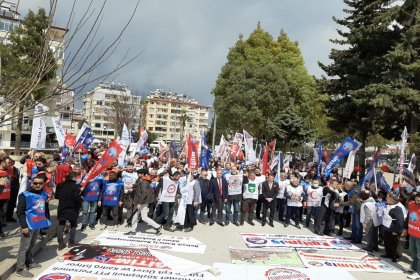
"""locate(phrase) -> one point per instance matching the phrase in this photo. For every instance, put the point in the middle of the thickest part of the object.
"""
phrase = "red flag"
(108, 158)
(69, 140)
(265, 167)
(325, 156)
(81, 147)
(272, 146)
(193, 155)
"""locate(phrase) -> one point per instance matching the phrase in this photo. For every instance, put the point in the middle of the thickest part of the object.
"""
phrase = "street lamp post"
(106, 132)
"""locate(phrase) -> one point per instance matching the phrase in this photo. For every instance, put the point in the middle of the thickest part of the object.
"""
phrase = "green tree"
(262, 84)
(360, 93)
(28, 66)
(183, 119)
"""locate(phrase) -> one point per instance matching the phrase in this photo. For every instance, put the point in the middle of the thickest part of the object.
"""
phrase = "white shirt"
(294, 191)
(282, 187)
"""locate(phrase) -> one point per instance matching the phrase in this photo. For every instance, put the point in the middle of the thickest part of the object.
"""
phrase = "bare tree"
(85, 53)
(124, 112)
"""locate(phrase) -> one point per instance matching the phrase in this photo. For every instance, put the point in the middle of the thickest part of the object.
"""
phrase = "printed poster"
(269, 256)
(296, 241)
(257, 272)
(151, 241)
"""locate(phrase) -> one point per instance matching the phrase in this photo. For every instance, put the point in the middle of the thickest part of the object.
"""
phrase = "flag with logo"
(343, 150)
(193, 155)
(236, 145)
(108, 158)
(371, 170)
(251, 156)
(39, 134)
(142, 139)
(348, 170)
(59, 130)
(223, 148)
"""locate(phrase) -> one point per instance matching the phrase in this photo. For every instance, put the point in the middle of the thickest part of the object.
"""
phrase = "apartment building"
(164, 111)
(107, 107)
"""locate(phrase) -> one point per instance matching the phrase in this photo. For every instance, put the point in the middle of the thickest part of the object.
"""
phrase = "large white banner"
(59, 130)
(169, 189)
(255, 272)
(296, 241)
(39, 134)
(100, 271)
(362, 263)
(151, 241)
(142, 140)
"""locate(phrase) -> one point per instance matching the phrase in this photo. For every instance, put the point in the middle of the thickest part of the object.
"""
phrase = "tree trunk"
(19, 125)
(362, 158)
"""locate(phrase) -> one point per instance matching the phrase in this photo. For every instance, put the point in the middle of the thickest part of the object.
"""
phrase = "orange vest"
(413, 219)
(5, 195)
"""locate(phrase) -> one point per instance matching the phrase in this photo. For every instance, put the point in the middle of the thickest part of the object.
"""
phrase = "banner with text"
(162, 242)
(363, 263)
(343, 150)
(256, 272)
(296, 241)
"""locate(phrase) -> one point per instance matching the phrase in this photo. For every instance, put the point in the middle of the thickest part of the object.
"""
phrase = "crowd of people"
(153, 190)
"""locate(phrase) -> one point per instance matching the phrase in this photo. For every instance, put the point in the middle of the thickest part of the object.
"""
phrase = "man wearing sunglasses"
(31, 215)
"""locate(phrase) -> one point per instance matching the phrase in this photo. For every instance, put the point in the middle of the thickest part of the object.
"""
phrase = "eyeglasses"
(37, 183)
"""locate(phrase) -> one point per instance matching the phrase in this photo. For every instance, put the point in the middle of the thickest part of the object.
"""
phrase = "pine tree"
(263, 81)
(360, 96)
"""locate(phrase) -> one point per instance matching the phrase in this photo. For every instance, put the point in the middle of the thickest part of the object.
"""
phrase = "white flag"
(142, 140)
(39, 134)
(59, 130)
(125, 136)
(350, 161)
(251, 155)
(223, 147)
(81, 131)
(404, 137)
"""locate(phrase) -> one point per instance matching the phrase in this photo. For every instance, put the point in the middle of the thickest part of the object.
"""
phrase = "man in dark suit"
(207, 197)
(270, 190)
(219, 186)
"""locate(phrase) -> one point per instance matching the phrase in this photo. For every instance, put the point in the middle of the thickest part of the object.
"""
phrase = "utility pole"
(214, 130)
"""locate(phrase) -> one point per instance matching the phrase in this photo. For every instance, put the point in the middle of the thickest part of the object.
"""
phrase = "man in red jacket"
(414, 232)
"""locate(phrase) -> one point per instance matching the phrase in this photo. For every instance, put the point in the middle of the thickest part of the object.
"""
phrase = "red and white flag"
(193, 155)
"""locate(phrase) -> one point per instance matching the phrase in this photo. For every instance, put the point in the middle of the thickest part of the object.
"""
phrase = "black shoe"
(395, 260)
(241, 223)
(83, 228)
(262, 224)
(158, 230)
(258, 218)
(203, 222)
(375, 249)
(271, 224)
(188, 229)
(220, 224)
(92, 227)
(406, 246)
(286, 224)
(251, 223)
(339, 233)
(327, 234)
(61, 246)
(11, 220)
(226, 223)
(281, 220)
(317, 233)
(385, 257)
(348, 238)
(356, 242)
(211, 223)
(370, 250)
(43, 232)
(130, 233)
(2, 235)
(298, 226)
(72, 244)
(236, 223)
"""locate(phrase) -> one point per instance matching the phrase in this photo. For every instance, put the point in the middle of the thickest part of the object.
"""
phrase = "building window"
(98, 125)
(65, 116)
(99, 103)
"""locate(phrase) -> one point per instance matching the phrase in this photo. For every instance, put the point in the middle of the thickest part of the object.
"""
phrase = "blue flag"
(319, 164)
(369, 173)
(343, 150)
(205, 157)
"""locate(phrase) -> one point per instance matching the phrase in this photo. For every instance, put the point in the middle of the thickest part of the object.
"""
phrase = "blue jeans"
(235, 204)
(356, 228)
(89, 208)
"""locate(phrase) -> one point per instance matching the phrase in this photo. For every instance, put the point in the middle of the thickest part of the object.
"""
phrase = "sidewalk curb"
(5, 274)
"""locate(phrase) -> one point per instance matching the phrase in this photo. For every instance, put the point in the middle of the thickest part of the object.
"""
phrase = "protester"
(3, 186)
(129, 178)
(270, 190)
(13, 174)
(4, 194)
(393, 223)
(219, 187)
(110, 198)
(250, 197)
(295, 195)
(234, 195)
(353, 191)
(281, 200)
(143, 196)
(326, 211)
(207, 197)
(414, 232)
(313, 201)
(69, 203)
(31, 216)
(194, 199)
(369, 220)
(90, 195)
(167, 189)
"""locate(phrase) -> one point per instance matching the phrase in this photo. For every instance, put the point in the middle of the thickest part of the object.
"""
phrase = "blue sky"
(184, 43)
